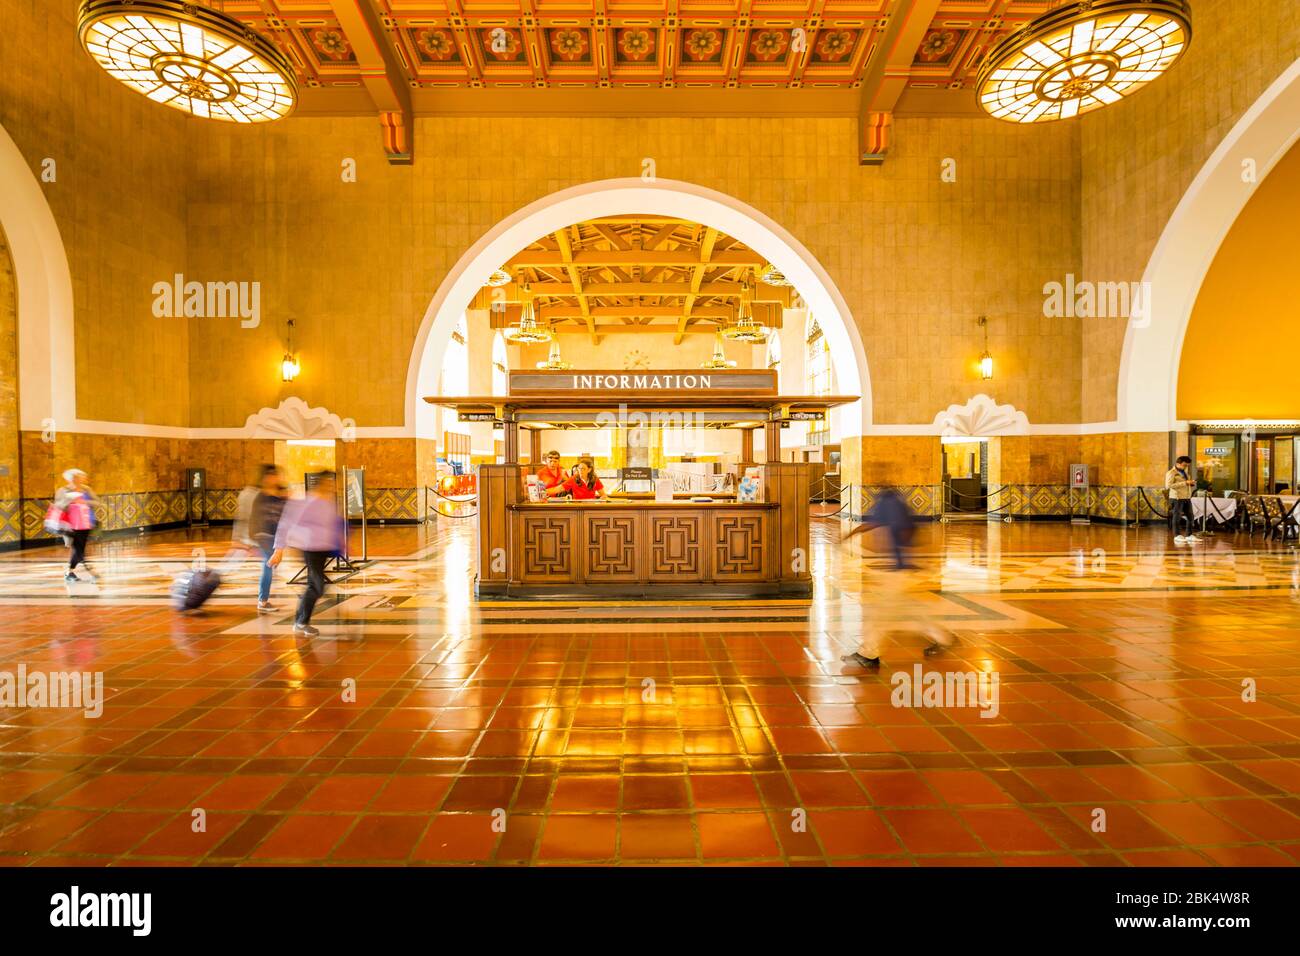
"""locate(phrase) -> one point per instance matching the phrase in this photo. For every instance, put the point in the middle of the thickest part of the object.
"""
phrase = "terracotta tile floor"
(710, 732)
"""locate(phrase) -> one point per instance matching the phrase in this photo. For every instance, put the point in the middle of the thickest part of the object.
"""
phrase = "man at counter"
(552, 474)
(583, 485)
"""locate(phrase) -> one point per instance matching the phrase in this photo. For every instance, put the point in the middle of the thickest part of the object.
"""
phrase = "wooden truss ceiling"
(399, 54)
(636, 274)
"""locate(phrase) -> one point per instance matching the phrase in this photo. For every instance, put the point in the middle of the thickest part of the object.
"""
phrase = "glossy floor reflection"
(701, 732)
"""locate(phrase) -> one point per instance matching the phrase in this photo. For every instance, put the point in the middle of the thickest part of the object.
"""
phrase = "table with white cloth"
(1222, 510)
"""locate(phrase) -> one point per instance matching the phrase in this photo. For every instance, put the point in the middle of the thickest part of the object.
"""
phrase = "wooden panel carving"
(739, 545)
(611, 547)
(676, 551)
(547, 554)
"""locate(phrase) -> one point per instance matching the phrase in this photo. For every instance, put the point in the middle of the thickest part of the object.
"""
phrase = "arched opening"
(47, 373)
(633, 197)
(1148, 375)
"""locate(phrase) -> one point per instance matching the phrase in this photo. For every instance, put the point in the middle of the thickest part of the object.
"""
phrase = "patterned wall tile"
(393, 504)
(11, 521)
(924, 500)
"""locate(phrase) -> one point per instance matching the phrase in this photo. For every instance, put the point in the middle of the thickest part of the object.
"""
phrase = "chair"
(1279, 521)
(1251, 510)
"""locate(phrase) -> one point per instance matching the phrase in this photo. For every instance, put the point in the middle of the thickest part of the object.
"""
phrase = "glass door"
(1261, 471)
(1218, 463)
(1283, 464)
(1273, 465)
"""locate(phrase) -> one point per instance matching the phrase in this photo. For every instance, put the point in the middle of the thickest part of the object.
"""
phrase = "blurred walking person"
(240, 535)
(898, 600)
(263, 522)
(311, 525)
(73, 515)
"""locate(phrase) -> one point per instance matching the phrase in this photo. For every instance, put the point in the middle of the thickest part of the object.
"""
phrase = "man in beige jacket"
(1180, 484)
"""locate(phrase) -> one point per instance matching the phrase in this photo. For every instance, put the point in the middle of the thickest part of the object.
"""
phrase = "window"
(817, 375)
(500, 365)
(772, 359)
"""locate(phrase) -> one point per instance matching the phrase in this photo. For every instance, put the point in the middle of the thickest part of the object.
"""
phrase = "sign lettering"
(756, 380)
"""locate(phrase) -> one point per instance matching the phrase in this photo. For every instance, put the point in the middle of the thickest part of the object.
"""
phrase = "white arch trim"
(46, 363)
(1148, 371)
(612, 197)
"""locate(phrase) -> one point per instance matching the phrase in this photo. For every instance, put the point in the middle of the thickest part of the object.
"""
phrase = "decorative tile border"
(926, 501)
(11, 521)
(25, 521)
(393, 504)
(1104, 502)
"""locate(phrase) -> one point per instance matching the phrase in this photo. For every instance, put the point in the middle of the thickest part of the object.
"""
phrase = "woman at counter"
(583, 484)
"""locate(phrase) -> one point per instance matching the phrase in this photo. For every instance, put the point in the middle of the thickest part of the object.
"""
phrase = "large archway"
(1148, 373)
(46, 372)
(630, 197)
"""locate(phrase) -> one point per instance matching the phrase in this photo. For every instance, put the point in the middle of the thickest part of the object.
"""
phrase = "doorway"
(1272, 465)
(965, 475)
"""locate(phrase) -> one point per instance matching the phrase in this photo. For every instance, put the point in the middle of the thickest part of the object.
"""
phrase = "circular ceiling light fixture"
(189, 57)
(1081, 57)
(499, 278)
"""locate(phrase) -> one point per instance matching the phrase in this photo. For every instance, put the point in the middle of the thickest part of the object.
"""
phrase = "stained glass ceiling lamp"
(745, 329)
(553, 361)
(719, 358)
(529, 331)
(189, 57)
(1082, 56)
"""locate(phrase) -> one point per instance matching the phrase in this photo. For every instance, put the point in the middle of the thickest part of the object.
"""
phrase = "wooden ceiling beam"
(599, 258)
(697, 281)
(660, 236)
(382, 75)
(887, 74)
(556, 313)
(614, 329)
(693, 289)
(575, 280)
(612, 237)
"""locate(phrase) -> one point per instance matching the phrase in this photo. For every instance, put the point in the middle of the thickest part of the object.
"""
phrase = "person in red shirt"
(552, 473)
(583, 485)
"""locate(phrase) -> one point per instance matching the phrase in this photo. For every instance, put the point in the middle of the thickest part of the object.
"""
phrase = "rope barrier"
(438, 511)
(1162, 515)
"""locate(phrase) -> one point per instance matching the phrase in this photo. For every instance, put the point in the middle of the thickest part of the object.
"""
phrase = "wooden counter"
(642, 548)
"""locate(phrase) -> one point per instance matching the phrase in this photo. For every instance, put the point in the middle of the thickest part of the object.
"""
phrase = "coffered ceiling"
(868, 58)
(636, 274)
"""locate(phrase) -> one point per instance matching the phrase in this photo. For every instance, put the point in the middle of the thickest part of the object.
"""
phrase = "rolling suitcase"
(191, 588)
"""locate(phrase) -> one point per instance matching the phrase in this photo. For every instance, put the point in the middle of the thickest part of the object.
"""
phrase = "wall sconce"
(289, 367)
(986, 360)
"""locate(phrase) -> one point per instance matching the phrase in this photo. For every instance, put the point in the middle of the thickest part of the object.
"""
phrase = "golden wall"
(120, 167)
(357, 264)
(1140, 155)
(1237, 357)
